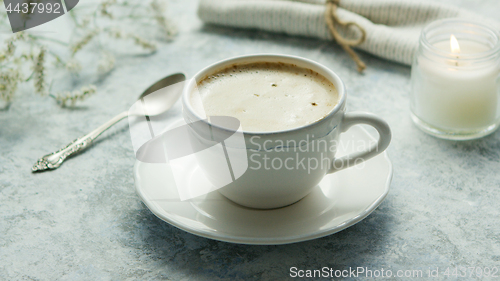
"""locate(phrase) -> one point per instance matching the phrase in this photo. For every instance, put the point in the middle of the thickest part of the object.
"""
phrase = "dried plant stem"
(8, 84)
(71, 97)
(148, 45)
(138, 40)
(167, 27)
(104, 8)
(39, 72)
(84, 41)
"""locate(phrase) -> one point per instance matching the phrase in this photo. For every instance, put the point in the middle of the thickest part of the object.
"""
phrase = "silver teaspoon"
(160, 104)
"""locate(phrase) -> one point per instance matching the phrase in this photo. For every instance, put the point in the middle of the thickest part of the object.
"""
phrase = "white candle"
(455, 94)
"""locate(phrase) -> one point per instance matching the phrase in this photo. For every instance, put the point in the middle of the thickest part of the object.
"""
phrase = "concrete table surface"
(85, 222)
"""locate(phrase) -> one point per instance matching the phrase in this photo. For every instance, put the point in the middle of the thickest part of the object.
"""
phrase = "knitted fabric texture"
(392, 26)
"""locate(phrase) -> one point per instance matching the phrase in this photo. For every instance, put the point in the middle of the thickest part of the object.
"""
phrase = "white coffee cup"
(285, 183)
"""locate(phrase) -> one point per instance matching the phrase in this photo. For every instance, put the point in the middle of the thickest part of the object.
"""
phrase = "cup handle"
(354, 118)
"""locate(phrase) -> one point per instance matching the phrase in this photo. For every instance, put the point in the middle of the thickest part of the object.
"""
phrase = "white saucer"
(341, 200)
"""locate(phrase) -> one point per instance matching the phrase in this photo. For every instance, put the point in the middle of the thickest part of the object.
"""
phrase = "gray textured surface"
(85, 222)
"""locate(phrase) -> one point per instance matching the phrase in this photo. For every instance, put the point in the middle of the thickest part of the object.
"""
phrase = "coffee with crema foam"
(268, 96)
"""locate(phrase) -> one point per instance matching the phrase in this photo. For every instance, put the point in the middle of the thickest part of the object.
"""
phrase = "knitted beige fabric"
(392, 26)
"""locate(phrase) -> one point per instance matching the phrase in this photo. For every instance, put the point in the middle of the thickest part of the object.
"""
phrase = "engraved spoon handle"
(54, 160)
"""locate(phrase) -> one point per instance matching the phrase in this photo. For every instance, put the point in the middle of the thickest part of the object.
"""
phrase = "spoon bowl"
(160, 97)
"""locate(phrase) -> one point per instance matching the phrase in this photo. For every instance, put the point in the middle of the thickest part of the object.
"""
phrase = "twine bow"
(346, 44)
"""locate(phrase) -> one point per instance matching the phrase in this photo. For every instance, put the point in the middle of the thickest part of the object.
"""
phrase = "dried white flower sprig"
(78, 45)
(39, 72)
(106, 63)
(26, 56)
(8, 84)
(169, 29)
(104, 8)
(73, 65)
(72, 97)
(138, 40)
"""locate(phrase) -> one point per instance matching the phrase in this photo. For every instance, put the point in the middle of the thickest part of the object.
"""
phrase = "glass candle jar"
(455, 80)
